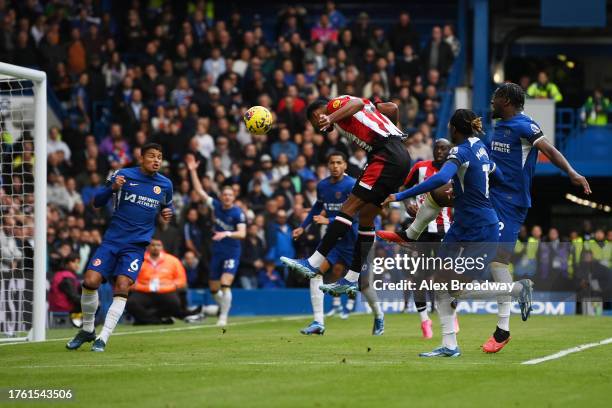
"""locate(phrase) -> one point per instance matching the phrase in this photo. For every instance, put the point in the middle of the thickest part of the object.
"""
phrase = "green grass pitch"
(266, 362)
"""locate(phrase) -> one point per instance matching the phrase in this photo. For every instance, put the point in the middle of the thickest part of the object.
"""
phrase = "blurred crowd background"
(175, 74)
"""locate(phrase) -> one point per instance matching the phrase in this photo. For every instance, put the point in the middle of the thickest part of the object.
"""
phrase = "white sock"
(370, 294)
(112, 317)
(226, 303)
(89, 306)
(424, 315)
(218, 296)
(447, 320)
(336, 301)
(428, 212)
(316, 259)
(350, 304)
(500, 273)
(316, 298)
(352, 276)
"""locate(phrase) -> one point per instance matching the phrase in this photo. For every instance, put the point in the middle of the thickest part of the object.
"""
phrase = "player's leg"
(363, 244)
(446, 312)
(511, 219)
(102, 261)
(125, 274)
(336, 231)
(227, 279)
(317, 326)
(337, 272)
(429, 210)
(230, 266)
(369, 293)
(214, 279)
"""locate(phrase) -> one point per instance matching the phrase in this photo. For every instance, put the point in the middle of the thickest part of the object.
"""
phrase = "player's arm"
(192, 165)
(240, 232)
(389, 109)
(561, 162)
(496, 175)
(350, 108)
(314, 211)
(113, 184)
(437, 180)
(167, 206)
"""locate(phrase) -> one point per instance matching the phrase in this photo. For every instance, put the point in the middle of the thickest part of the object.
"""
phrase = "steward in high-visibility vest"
(575, 256)
(596, 109)
(600, 248)
(542, 89)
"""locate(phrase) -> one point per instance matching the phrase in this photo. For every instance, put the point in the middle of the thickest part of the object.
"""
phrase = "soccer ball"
(258, 120)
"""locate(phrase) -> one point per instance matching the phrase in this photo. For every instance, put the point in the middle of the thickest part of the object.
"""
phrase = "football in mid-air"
(258, 120)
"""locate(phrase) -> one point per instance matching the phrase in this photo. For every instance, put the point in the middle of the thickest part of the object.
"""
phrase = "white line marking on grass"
(564, 353)
(186, 328)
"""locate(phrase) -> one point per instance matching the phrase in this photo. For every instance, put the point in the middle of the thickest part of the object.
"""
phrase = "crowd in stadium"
(185, 83)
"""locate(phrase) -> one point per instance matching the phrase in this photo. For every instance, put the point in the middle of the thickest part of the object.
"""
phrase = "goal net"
(22, 203)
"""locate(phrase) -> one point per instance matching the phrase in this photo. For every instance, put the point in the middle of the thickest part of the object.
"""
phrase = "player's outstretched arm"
(192, 165)
(439, 179)
(352, 107)
(561, 162)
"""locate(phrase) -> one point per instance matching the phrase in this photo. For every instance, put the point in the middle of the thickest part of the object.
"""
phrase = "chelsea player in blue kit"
(230, 228)
(514, 147)
(332, 192)
(139, 195)
(475, 220)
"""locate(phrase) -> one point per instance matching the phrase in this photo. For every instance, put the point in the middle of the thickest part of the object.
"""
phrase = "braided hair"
(466, 122)
(513, 92)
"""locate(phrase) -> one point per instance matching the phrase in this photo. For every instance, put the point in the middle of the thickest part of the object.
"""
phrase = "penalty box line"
(566, 352)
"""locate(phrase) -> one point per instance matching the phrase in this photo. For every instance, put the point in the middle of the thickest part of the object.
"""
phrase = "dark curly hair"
(513, 92)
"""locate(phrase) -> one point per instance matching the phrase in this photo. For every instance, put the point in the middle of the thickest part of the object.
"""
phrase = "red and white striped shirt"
(368, 128)
(420, 172)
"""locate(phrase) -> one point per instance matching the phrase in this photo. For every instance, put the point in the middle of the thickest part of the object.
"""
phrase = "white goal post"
(18, 82)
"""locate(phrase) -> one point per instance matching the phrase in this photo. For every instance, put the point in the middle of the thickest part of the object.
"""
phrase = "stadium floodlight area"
(23, 203)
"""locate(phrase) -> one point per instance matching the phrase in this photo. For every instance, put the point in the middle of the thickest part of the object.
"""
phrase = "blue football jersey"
(471, 184)
(136, 205)
(333, 195)
(226, 219)
(512, 150)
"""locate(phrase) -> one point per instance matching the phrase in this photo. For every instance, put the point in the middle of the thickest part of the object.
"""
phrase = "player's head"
(155, 247)
(152, 157)
(441, 148)
(463, 124)
(316, 109)
(508, 99)
(336, 164)
(228, 196)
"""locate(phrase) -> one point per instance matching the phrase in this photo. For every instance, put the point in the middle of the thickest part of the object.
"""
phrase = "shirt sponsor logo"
(500, 147)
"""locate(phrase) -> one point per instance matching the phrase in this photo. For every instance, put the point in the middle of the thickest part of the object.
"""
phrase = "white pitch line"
(564, 353)
(186, 328)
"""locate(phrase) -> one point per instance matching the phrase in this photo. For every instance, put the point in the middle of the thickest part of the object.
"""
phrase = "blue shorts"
(343, 251)
(111, 260)
(511, 217)
(223, 263)
(478, 243)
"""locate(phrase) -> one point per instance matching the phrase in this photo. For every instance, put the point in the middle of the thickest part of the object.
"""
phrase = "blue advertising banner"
(297, 301)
